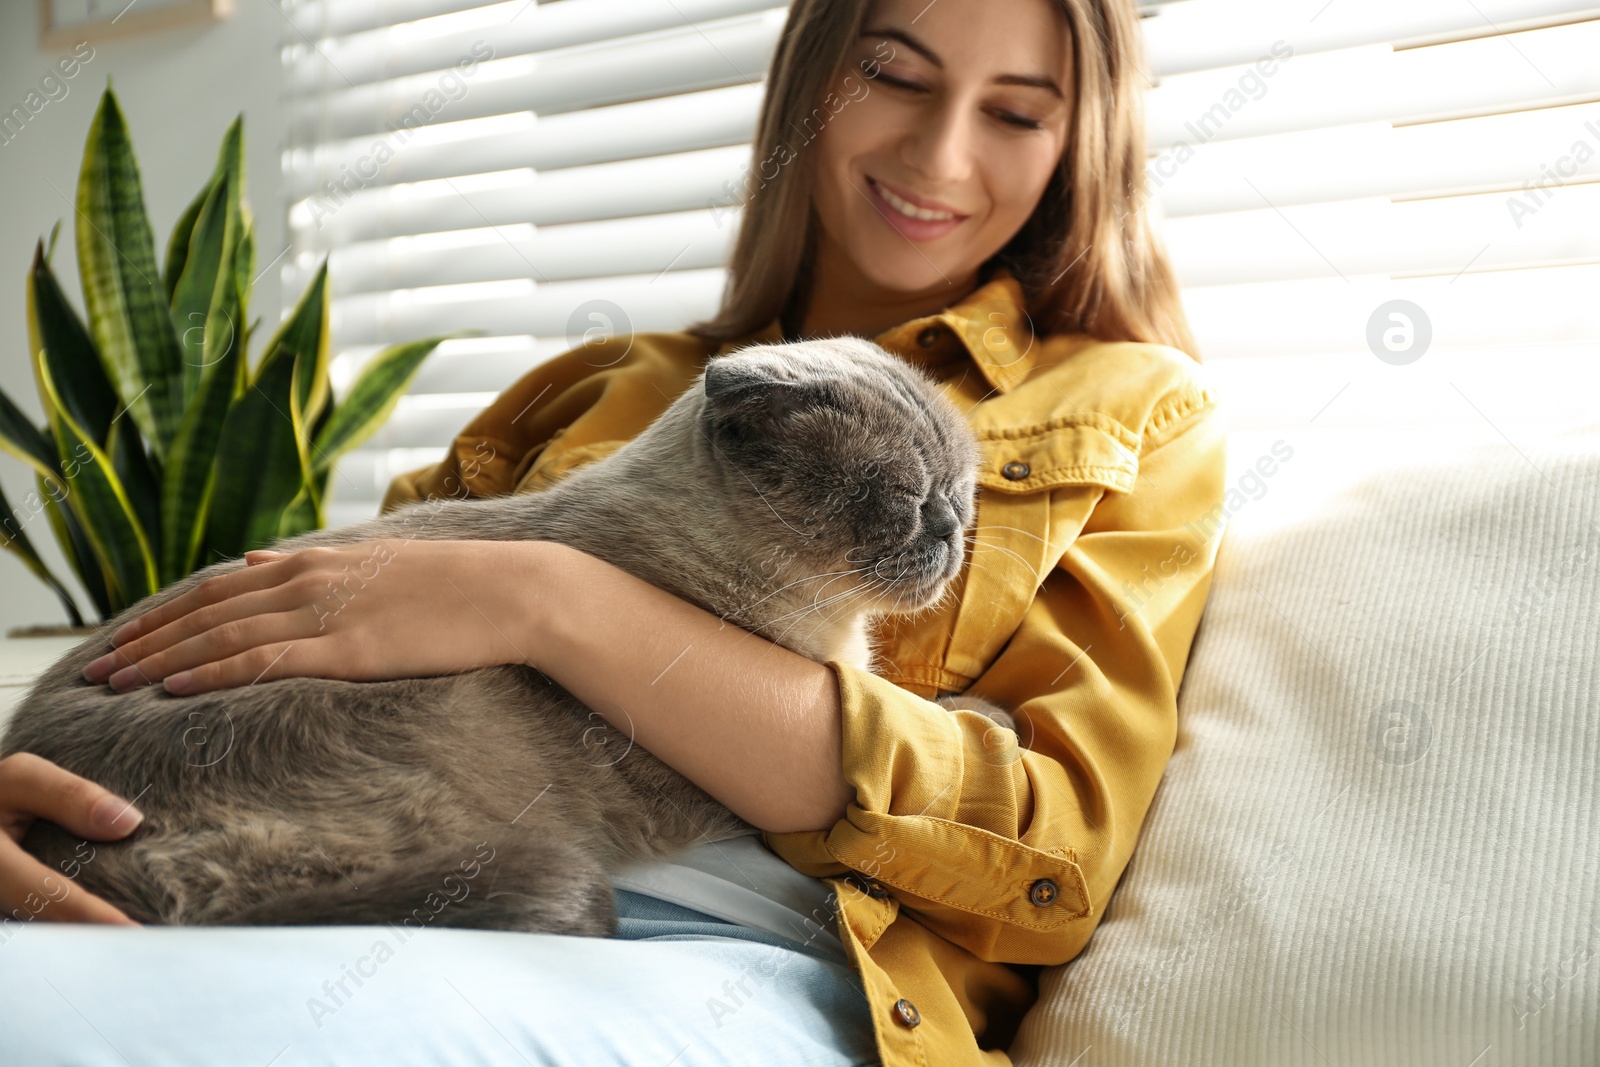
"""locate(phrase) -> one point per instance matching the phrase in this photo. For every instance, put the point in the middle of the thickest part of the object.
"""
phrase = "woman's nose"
(938, 148)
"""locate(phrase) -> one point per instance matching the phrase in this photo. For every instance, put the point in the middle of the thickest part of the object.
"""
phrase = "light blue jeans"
(676, 987)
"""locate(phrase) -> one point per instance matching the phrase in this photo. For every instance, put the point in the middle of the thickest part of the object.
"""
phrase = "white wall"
(178, 89)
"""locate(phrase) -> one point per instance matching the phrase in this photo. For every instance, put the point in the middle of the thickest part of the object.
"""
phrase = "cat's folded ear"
(747, 400)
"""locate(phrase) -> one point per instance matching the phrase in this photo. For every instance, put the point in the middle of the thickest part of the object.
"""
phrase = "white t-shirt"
(739, 879)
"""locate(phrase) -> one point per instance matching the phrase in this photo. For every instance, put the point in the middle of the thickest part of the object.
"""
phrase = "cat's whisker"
(813, 611)
(994, 547)
(1014, 529)
(798, 581)
(815, 607)
(817, 603)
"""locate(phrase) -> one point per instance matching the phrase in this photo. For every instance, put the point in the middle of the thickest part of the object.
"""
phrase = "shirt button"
(1044, 892)
(906, 1012)
(928, 337)
(1015, 470)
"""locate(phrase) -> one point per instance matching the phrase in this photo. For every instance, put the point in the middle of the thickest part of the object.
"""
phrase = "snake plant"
(162, 450)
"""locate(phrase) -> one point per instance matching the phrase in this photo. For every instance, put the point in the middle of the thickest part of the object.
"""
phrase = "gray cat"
(796, 490)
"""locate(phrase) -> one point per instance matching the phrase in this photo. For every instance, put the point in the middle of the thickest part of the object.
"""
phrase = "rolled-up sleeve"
(1010, 845)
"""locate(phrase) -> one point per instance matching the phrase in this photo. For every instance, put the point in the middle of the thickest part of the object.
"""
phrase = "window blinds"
(537, 170)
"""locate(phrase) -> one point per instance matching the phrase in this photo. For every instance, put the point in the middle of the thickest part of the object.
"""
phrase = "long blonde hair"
(1088, 258)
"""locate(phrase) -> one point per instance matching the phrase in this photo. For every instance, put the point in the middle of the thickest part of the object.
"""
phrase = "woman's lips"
(912, 229)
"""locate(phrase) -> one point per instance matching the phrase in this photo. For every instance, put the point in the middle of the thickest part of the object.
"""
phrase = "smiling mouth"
(910, 210)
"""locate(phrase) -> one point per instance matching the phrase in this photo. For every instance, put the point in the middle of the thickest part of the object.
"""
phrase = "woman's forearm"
(752, 723)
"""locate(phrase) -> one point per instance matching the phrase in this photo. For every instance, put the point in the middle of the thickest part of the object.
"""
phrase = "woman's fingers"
(254, 626)
(30, 890)
(216, 589)
(210, 632)
(261, 663)
(33, 787)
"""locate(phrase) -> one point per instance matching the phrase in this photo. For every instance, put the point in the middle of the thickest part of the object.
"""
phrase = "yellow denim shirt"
(971, 856)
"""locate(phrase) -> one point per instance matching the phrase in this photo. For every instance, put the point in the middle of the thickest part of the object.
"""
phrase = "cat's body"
(493, 798)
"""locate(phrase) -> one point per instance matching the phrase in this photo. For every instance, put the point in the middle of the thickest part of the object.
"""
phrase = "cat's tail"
(545, 886)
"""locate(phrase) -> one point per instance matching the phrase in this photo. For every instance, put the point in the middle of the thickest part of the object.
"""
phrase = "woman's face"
(968, 116)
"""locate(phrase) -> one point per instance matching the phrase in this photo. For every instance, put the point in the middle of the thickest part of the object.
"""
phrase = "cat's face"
(857, 474)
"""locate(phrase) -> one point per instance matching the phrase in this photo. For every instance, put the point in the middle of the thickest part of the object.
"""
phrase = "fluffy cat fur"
(797, 490)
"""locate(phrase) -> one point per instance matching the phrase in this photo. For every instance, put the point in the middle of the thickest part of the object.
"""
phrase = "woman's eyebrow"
(894, 33)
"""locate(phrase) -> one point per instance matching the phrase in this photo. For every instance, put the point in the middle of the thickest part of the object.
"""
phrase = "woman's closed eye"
(1004, 116)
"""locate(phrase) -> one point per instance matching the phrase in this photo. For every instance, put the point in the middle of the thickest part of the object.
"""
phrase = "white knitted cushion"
(1378, 840)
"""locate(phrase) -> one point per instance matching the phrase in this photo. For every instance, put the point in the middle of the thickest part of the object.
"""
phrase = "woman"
(963, 182)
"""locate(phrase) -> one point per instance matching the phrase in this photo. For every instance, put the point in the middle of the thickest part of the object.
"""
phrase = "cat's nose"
(939, 520)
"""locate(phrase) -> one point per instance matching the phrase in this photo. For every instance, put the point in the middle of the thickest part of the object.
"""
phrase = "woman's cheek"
(1018, 185)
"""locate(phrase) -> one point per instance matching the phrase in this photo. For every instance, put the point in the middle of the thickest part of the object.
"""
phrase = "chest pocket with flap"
(1024, 524)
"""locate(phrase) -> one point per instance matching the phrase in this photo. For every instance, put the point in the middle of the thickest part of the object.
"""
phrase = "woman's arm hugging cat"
(795, 490)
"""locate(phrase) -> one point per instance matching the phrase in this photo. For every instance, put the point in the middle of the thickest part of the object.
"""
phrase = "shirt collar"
(990, 326)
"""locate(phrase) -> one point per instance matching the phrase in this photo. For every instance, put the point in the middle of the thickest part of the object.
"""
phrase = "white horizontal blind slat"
(1381, 236)
(1375, 82)
(1376, 159)
(657, 301)
(573, 194)
(520, 28)
(678, 241)
(687, 122)
(727, 51)
(1206, 34)
(314, 19)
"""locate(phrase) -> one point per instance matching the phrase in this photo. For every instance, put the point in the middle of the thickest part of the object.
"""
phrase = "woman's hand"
(32, 787)
(368, 611)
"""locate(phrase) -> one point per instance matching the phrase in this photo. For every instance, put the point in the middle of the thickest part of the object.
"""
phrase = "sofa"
(1378, 838)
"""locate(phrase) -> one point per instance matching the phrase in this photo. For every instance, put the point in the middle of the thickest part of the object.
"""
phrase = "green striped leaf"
(75, 545)
(55, 328)
(244, 260)
(373, 396)
(304, 511)
(261, 466)
(258, 470)
(205, 300)
(97, 497)
(191, 464)
(320, 469)
(58, 336)
(13, 538)
(20, 437)
(139, 478)
(305, 335)
(178, 240)
(128, 312)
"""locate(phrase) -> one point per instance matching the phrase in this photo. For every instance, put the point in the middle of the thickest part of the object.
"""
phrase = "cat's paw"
(963, 702)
